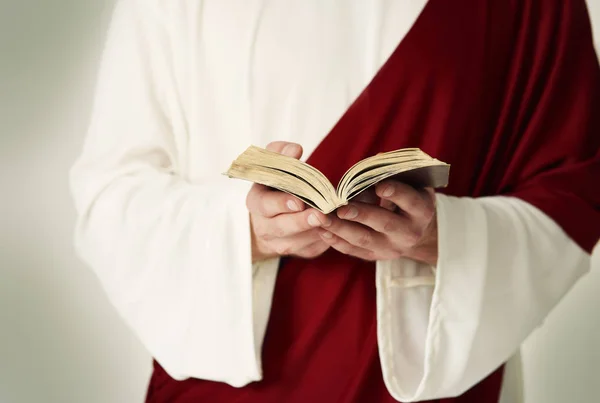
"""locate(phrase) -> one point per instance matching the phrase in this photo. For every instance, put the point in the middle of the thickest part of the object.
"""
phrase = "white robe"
(184, 87)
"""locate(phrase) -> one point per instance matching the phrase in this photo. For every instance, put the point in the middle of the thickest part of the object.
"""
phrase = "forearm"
(174, 259)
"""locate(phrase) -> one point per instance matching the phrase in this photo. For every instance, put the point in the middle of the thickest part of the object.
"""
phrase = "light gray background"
(60, 339)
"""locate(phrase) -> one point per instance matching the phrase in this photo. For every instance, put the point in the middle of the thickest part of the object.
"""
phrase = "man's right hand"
(281, 224)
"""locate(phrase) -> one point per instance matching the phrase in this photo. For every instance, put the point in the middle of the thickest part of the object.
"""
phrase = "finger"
(290, 224)
(293, 150)
(407, 198)
(368, 196)
(267, 202)
(357, 234)
(375, 217)
(430, 195)
(347, 248)
(292, 244)
(313, 250)
(387, 204)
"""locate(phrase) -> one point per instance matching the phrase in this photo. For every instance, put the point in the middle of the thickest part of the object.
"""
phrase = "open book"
(408, 165)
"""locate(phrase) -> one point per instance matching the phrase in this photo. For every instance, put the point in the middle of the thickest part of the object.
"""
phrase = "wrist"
(426, 254)
(427, 249)
(259, 256)
(259, 253)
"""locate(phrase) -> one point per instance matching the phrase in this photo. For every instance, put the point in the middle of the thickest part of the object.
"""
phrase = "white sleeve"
(503, 265)
(174, 257)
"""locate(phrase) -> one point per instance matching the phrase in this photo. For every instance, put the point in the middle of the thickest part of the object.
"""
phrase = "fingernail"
(389, 190)
(327, 235)
(327, 221)
(351, 212)
(292, 205)
(290, 150)
(313, 221)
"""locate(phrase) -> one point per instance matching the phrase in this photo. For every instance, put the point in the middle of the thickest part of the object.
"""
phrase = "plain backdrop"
(60, 339)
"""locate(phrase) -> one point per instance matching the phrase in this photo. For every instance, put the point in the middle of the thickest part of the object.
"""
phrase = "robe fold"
(508, 93)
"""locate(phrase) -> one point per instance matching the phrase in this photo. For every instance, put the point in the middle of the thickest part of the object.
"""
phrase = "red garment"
(507, 92)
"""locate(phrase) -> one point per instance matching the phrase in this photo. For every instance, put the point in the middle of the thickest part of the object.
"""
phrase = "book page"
(286, 174)
(435, 176)
(377, 168)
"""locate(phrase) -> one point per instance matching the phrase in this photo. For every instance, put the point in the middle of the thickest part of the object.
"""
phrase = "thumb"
(286, 148)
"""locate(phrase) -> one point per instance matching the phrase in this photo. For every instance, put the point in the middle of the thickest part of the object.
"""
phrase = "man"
(246, 294)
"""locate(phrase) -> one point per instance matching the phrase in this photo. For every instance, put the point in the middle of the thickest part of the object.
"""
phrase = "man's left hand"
(403, 225)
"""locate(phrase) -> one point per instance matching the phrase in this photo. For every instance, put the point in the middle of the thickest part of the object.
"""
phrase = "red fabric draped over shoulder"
(511, 99)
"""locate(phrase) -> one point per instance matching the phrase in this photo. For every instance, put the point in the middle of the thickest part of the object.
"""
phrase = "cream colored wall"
(60, 340)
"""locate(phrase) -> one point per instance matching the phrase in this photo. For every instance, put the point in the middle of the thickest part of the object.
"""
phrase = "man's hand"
(281, 224)
(404, 225)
